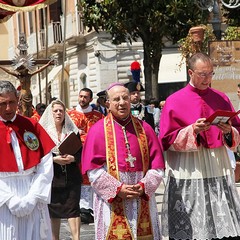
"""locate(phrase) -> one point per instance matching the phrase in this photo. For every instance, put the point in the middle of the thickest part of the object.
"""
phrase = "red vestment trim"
(144, 229)
(119, 227)
(84, 121)
(30, 158)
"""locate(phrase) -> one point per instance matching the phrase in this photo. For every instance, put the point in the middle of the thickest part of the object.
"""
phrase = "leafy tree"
(152, 20)
(231, 16)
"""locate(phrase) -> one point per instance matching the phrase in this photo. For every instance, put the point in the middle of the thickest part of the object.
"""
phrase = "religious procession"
(95, 145)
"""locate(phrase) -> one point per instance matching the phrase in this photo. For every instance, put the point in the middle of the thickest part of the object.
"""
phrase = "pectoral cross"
(130, 159)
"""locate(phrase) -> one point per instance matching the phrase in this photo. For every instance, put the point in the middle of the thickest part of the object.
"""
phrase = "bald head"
(119, 101)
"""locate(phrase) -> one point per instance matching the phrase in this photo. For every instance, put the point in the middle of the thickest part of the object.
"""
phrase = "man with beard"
(84, 117)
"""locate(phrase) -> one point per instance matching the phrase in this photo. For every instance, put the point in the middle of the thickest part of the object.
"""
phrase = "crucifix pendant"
(130, 159)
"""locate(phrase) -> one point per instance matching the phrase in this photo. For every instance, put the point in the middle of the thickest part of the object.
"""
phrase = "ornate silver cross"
(130, 159)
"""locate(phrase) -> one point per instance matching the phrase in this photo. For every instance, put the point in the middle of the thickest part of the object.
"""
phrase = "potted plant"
(232, 33)
(196, 41)
(197, 34)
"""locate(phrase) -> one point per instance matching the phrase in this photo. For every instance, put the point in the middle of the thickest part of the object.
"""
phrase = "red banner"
(21, 3)
(9, 7)
(5, 15)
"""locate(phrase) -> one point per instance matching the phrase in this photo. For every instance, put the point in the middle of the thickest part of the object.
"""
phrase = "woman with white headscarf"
(66, 185)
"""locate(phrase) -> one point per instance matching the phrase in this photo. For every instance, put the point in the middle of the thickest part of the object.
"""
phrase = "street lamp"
(216, 20)
(231, 3)
(213, 6)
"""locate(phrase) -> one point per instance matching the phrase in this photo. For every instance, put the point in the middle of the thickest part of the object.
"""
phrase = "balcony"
(55, 37)
(74, 35)
(75, 29)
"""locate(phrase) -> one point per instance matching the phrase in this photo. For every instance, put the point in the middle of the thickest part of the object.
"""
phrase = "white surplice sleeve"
(186, 140)
(104, 184)
(42, 180)
(152, 180)
(5, 192)
(39, 190)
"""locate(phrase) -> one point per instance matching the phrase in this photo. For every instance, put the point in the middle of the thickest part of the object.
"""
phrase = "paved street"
(87, 231)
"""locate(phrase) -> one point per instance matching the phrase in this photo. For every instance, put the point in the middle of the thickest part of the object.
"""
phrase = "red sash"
(119, 227)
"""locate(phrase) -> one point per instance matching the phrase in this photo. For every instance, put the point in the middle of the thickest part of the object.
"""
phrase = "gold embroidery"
(119, 227)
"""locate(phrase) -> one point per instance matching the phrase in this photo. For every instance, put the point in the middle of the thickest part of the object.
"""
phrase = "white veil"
(48, 123)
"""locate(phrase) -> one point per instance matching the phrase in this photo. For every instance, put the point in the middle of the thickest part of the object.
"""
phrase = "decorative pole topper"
(135, 70)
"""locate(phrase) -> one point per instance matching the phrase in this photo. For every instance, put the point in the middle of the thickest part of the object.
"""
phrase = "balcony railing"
(57, 32)
(75, 29)
(54, 35)
(80, 24)
(42, 39)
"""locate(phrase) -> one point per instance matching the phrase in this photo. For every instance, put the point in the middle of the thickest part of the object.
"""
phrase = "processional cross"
(23, 64)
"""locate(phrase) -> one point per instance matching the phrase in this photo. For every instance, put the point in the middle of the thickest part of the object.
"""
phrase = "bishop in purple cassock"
(125, 165)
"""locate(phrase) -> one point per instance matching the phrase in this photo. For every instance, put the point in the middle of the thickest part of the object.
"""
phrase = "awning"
(53, 74)
(169, 70)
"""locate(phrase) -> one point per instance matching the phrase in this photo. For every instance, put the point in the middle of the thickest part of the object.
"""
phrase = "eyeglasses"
(204, 75)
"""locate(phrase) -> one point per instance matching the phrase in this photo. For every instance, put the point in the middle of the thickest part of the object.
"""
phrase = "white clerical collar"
(84, 110)
(3, 120)
(191, 84)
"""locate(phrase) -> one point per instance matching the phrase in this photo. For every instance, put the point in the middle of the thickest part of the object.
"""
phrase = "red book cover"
(221, 116)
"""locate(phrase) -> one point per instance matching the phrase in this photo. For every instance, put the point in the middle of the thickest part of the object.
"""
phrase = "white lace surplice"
(201, 200)
(102, 207)
(86, 200)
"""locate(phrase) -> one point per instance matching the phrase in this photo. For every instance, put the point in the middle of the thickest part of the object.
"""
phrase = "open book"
(70, 145)
(221, 116)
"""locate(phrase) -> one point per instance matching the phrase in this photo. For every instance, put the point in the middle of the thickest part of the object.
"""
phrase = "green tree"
(231, 16)
(152, 20)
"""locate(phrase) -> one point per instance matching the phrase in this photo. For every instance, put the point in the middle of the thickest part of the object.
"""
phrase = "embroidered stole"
(119, 227)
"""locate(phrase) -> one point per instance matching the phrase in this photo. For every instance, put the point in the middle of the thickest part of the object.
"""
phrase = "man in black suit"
(102, 108)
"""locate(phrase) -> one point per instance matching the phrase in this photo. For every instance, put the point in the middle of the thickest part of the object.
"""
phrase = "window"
(30, 22)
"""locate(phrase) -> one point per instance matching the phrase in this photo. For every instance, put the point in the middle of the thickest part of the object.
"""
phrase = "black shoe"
(86, 216)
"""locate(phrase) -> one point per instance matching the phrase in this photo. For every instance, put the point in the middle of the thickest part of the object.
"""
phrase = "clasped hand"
(131, 191)
(63, 159)
(21, 207)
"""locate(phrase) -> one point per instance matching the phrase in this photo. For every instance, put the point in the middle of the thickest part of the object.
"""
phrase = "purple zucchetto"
(114, 84)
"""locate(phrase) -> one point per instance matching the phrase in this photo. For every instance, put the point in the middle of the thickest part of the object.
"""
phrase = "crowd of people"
(126, 148)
